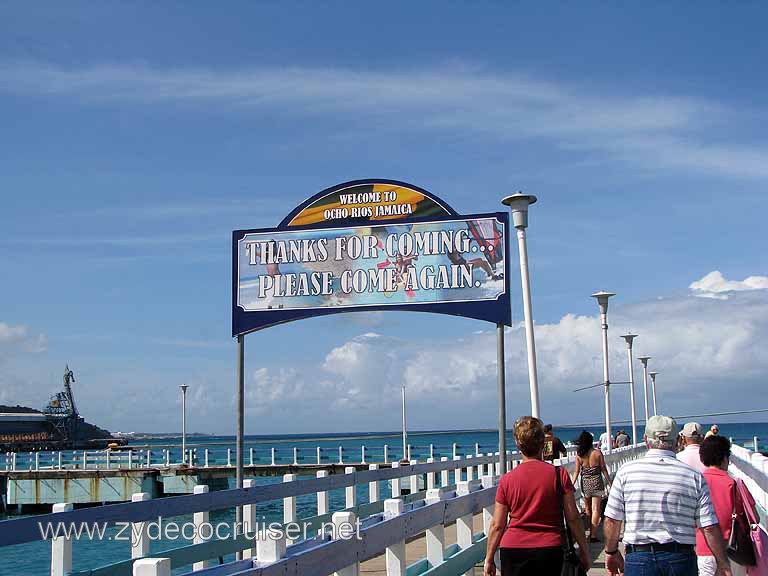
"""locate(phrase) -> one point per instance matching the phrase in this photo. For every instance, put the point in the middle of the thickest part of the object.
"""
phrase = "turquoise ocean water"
(33, 559)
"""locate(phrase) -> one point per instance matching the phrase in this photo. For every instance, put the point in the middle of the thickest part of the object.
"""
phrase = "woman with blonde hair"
(528, 515)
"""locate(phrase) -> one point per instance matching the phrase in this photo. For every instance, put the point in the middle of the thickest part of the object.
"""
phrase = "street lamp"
(602, 300)
(644, 360)
(653, 388)
(184, 422)
(518, 204)
(628, 338)
(405, 433)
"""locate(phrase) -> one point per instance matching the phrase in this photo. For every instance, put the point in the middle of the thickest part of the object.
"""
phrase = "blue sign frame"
(497, 311)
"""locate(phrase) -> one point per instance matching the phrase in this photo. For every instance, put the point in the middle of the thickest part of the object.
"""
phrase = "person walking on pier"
(527, 518)
(590, 463)
(691, 438)
(715, 455)
(553, 446)
(661, 502)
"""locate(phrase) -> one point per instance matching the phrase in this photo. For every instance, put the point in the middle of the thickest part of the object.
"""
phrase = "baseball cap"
(660, 428)
(691, 430)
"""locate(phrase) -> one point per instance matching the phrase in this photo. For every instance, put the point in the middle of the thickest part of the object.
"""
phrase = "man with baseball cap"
(692, 438)
(661, 502)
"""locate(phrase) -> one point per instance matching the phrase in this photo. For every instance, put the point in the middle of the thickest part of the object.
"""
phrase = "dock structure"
(41, 479)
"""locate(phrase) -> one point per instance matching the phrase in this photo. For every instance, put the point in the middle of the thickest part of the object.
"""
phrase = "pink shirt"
(690, 455)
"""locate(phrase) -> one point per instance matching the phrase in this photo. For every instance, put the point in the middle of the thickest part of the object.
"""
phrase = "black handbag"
(571, 562)
(740, 547)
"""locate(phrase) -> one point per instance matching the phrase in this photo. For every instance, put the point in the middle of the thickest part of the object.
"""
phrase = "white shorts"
(708, 567)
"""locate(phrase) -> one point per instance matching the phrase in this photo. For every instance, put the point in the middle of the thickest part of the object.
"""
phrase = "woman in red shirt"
(527, 522)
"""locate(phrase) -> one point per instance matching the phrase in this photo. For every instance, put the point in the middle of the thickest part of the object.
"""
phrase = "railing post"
(250, 456)
(272, 453)
(130, 459)
(373, 487)
(755, 444)
(351, 491)
(319, 455)
(477, 449)
(289, 504)
(413, 479)
(430, 475)
(322, 496)
(167, 454)
(272, 548)
(205, 456)
(455, 450)
(395, 482)
(395, 554)
(490, 466)
(487, 482)
(464, 529)
(344, 526)
(229, 457)
(37, 461)
(435, 535)
(85, 460)
(61, 548)
(497, 466)
(149, 458)
(408, 456)
(295, 456)
(152, 567)
(470, 468)
(432, 451)
(362, 454)
(200, 518)
(457, 471)
(58, 464)
(13, 461)
(341, 455)
(139, 537)
(444, 474)
(249, 521)
(386, 454)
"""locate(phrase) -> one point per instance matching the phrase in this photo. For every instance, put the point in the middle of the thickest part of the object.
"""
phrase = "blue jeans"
(661, 564)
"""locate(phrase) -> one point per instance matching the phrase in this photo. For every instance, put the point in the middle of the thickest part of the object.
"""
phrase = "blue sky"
(135, 137)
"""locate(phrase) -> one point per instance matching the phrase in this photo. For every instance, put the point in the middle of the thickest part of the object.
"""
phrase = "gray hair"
(659, 444)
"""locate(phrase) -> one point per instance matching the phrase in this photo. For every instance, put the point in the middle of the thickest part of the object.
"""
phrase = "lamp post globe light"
(628, 338)
(644, 360)
(602, 300)
(183, 422)
(518, 204)
(653, 389)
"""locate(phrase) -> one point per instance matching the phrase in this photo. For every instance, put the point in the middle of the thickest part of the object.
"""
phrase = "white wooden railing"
(386, 533)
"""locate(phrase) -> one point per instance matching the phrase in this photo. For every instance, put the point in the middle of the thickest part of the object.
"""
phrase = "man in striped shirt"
(661, 502)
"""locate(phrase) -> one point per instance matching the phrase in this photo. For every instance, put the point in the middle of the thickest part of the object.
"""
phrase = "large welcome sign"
(371, 245)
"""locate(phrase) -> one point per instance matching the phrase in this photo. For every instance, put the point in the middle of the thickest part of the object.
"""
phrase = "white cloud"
(649, 130)
(714, 285)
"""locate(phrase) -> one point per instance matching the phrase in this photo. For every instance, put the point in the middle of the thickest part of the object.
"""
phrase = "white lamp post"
(184, 422)
(518, 204)
(653, 389)
(644, 360)
(602, 300)
(628, 338)
(405, 433)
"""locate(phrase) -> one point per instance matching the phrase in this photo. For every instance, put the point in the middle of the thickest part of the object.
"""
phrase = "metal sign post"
(502, 398)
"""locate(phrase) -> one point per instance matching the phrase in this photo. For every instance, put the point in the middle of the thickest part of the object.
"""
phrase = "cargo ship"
(59, 426)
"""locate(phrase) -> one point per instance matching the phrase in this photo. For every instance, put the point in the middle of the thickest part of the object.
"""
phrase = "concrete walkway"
(416, 549)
